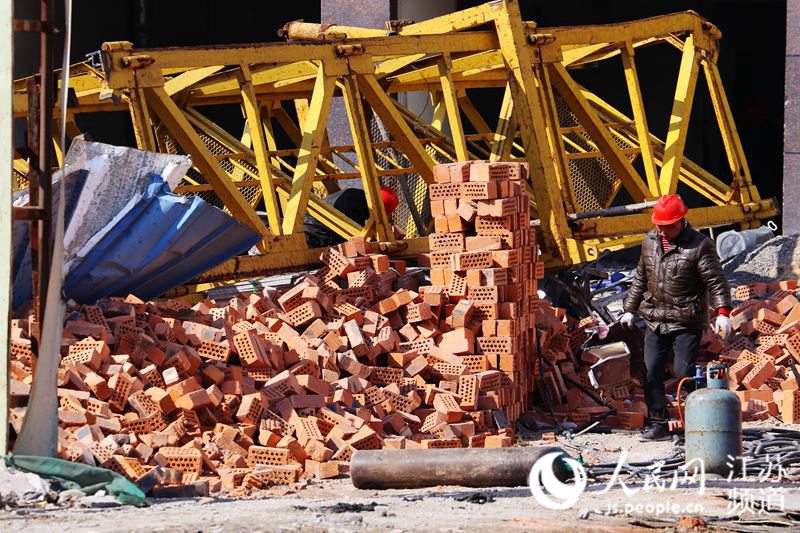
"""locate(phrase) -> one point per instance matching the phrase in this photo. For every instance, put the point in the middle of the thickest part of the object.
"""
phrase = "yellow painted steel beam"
(387, 110)
(293, 131)
(439, 110)
(678, 129)
(570, 92)
(281, 53)
(572, 54)
(705, 33)
(184, 134)
(478, 62)
(226, 82)
(612, 50)
(189, 78)
(320, 210)
(453, 113)
(691, 173)
(252, 109)
(730, 135)
(140, 117)
(528, 109)
(313, 132)
(699, 217)
(506, 128)
(369, 176)
(640, 118)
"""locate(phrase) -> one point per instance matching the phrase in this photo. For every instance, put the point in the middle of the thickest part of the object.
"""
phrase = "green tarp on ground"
(89, 479)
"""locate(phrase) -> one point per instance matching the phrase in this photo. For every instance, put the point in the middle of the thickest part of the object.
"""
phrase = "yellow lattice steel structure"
(580, 149)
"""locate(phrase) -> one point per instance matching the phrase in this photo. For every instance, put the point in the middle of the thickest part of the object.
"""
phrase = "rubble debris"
(19, 489)
(583, 386)
(261, 390)
(86, 479)
(761, 354)
(344, 507)
(476, 497)
(777, 259)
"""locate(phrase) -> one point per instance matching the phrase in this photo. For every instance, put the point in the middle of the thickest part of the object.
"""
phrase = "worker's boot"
(656, 432)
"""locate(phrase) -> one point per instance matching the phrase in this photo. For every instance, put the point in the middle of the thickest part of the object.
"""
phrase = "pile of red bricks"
(483, 256)
(264, 389)
(484, 265)
(768, 326)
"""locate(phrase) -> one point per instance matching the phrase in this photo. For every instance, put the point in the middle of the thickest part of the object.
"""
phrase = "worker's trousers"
(685, 343)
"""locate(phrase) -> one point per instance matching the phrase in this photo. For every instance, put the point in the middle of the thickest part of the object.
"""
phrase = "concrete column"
(419, 101)
(791, 131)
(362, 13)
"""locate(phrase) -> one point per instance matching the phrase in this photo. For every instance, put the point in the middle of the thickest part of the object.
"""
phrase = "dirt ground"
(334, 505)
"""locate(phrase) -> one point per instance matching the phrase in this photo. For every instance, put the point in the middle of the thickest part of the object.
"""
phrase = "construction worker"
(352, 203)
(678, 268)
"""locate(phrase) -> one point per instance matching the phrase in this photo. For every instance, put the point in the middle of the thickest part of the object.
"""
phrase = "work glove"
(627, 320)
(723, 326)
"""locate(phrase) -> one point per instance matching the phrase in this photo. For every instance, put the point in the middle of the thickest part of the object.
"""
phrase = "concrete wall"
(791, 132)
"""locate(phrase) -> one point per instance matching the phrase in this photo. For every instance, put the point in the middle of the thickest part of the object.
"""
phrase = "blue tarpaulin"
(158, 241)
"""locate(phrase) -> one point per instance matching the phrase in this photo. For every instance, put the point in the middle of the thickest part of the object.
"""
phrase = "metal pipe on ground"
(466, 467)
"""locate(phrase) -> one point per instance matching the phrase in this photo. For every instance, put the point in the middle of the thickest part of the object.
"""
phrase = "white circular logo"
(558, 495)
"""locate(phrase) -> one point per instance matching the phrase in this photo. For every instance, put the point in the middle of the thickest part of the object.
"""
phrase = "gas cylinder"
(713, 425)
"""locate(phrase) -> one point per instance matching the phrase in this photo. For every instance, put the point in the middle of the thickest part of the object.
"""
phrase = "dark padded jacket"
(351, 202)
(670, 289)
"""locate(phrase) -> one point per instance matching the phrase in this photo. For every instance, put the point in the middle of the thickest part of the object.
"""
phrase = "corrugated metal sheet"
(157, 241)
(115, 175)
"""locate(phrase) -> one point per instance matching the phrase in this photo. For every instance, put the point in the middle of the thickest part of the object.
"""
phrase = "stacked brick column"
(483, 256)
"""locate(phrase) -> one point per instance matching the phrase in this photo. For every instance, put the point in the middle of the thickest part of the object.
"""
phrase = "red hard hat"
(668, 210)
(390, 201)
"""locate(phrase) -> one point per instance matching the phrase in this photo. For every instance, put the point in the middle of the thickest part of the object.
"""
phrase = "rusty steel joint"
(138, 61)
(346, 50)
(541, 38)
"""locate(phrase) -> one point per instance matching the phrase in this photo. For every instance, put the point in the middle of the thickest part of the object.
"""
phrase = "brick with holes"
(759, 374)
(739, 370)
(461, 315)
(304, 314)
(444, 191)
(250, 409)
(251, 349)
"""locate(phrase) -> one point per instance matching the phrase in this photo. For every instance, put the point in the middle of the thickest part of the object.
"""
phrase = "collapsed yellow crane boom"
(579, 148)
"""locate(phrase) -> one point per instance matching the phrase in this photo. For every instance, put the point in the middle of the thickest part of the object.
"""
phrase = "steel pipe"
(466, 467)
